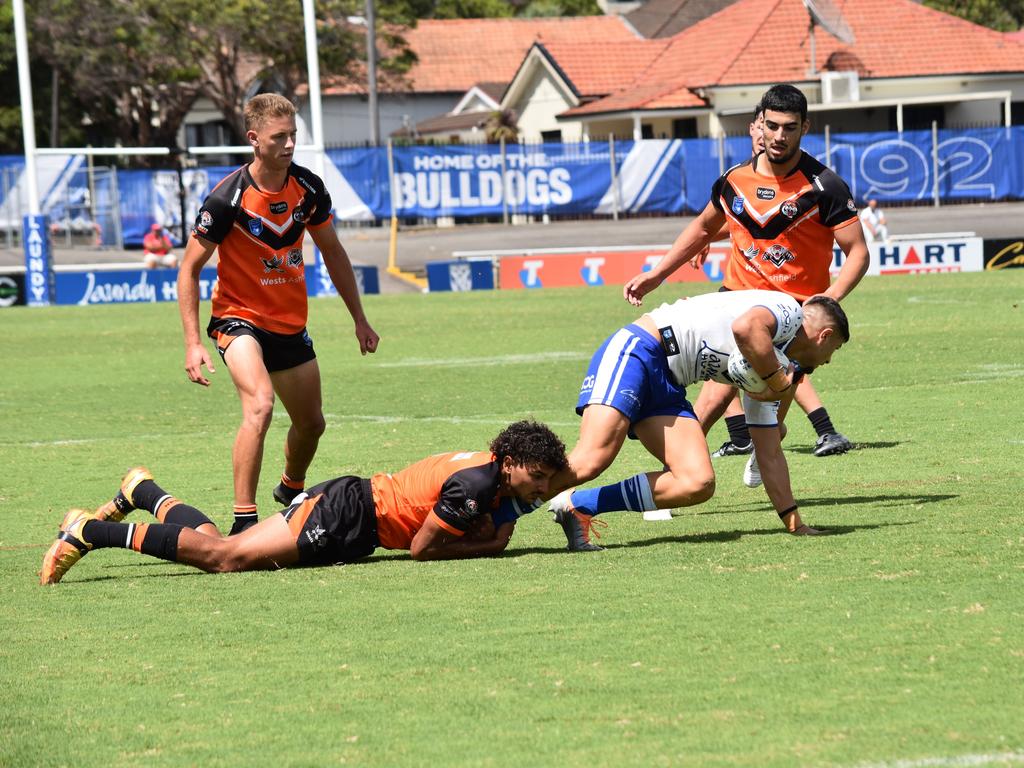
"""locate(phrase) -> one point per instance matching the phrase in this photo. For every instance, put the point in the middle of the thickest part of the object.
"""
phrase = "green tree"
(1003, 15)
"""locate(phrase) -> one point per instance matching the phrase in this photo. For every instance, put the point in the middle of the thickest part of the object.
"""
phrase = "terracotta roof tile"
(455, 54)
(767, 41)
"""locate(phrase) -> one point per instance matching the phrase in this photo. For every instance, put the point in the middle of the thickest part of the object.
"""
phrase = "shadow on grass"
(809, 449)
(723, 537)
(885, 499)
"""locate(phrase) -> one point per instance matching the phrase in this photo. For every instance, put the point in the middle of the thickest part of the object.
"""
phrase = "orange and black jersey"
(260, 272)
(782, 229)
(453, 489)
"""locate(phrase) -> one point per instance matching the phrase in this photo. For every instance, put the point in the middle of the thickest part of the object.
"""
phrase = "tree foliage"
(1003, 15)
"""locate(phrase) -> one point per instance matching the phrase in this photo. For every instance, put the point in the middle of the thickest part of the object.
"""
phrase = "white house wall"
(537, 109)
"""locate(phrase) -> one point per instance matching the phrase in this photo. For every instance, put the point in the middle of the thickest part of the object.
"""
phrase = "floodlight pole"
(313, 74)
(371, 71)
(34, 235)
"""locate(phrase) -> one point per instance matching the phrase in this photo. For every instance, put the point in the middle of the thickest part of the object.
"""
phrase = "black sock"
(147, 495)
(821, 422)
(103, 533)
(186, 516)
(738, 432)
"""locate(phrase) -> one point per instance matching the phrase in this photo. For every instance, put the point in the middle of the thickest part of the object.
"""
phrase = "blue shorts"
(630, 373)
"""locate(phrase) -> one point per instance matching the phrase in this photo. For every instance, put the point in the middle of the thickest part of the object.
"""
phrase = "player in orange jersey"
(448, 506)
(256, 220)
(783, 210)
(829, 441)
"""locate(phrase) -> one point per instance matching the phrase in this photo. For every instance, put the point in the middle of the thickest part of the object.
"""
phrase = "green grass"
(711, 640)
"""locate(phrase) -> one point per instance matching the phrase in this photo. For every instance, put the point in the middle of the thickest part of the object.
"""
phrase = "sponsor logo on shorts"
(778, 255)
(737, 205)
(278, 207)
(765, 193)
(256, 227)
(317, 537)
(629, 394)
(588, 384)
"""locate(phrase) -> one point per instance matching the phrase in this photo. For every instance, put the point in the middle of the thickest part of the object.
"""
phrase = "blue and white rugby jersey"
(701, 328)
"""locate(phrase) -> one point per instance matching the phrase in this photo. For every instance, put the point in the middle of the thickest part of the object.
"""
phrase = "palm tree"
(501, 124)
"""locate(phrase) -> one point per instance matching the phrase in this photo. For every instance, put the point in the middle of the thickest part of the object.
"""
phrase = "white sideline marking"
(455, 362)
(503, 421)
(950, 762)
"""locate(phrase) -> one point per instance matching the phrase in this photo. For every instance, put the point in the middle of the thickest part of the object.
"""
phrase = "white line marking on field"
(950, 762)
(503, 421)
(456, 362)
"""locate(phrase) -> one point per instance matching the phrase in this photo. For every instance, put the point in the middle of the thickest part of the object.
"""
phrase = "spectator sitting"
(873, 219)
(156, 246)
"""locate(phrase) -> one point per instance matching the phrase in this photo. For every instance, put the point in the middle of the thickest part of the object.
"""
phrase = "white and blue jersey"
(642, 376)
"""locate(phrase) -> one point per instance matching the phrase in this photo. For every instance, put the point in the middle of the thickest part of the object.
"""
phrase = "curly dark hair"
(530, 443)
(785, 98)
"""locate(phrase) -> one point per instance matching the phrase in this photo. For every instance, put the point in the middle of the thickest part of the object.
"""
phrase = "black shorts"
(336, 522)
(281, 351)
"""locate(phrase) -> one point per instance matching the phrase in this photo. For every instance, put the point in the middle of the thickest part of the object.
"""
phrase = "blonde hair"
(261, 108)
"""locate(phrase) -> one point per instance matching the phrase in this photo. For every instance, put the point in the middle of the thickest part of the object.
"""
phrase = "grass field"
(710, 640)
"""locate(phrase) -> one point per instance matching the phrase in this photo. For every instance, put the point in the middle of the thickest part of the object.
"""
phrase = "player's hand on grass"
(196, 357)
(368, 338)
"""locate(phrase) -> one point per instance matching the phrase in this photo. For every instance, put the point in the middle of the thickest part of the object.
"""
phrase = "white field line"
(958, 761)
(471, 362)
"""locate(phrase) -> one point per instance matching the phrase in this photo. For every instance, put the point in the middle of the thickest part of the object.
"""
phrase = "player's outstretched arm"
(851, 241)
(197, 252)
(690, 244)
(432, 542)
(775, 476)
(339, 267)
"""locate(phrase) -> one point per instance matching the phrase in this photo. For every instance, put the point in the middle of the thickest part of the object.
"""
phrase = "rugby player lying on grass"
(451, 505)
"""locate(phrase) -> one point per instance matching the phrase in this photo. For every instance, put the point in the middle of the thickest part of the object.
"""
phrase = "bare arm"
(753, 331)
(197, 252)
(775, 475)
(340, 269)
(691, 242)
(851, 241)
(432, 542)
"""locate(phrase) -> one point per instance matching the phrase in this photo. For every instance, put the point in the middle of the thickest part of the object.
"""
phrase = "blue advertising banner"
(667, 176)
(133, 286)
(38, 272)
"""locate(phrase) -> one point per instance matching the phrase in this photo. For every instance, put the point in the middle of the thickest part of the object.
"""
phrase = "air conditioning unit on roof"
(839, 87)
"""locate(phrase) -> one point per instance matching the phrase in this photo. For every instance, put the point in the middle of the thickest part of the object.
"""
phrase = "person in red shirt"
(447, 506)
(156, 249)
(256, 220)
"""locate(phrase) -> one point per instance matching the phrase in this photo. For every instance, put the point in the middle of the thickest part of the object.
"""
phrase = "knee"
(259, 410)
(687, 491)
(311, 427)
(589, 465)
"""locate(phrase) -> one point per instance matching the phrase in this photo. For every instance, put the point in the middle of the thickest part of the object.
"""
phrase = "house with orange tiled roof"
(454, 56)
(906, 66)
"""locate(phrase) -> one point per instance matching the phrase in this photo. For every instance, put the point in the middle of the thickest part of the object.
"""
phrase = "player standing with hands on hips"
(783, 209)
(256, 220)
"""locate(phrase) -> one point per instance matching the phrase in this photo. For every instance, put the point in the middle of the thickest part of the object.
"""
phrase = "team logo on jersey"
(778, 255)
(851, 205)
(279, 207)
(789, 209)
(765, 193)
(256, 227)
(750, 252)
(272, 264)
(295, 257)
(205, 219)
(299, 215)
(737, 205)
